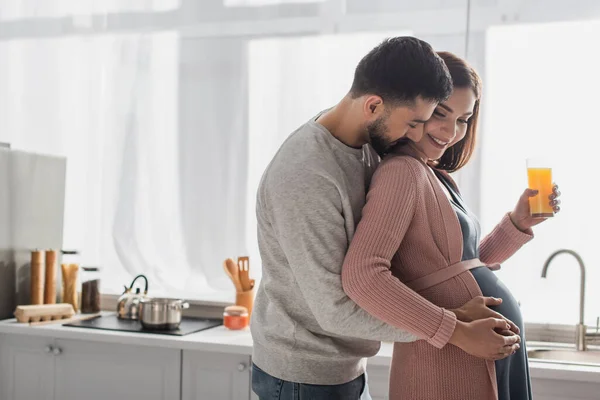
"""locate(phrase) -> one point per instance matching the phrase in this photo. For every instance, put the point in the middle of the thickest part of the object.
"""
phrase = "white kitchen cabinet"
(26, 368)
(54, 369)
(215, 376)
(99, 371)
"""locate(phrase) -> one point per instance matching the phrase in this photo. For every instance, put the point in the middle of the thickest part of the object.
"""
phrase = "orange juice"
(540, 179)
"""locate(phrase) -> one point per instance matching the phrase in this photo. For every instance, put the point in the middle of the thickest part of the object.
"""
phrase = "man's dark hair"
(401, 69)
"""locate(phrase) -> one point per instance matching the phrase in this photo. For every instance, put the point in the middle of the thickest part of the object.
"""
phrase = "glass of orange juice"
(539, 174)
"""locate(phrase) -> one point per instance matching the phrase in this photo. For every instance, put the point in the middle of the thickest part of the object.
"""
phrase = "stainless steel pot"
(161, 314)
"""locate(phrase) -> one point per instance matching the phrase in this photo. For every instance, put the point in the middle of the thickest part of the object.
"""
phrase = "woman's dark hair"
(401, 69)
(463, 76)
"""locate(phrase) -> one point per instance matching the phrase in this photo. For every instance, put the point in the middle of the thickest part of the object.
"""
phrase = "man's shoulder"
(308, 142)
(305, 154)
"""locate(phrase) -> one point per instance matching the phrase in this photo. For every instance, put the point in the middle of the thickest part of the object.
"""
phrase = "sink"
(566, 356)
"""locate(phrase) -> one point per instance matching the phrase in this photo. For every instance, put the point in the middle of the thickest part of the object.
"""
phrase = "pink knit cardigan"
(409, 230)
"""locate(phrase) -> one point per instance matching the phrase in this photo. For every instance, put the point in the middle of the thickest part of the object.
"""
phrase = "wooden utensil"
(232, 270)
(244, 268)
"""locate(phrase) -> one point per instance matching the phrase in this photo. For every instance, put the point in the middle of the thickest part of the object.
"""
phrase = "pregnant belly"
(454, 292)
(491, 286)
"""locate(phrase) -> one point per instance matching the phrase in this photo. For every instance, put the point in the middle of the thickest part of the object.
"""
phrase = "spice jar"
(90, 290)
(70, 271)
(236, 317)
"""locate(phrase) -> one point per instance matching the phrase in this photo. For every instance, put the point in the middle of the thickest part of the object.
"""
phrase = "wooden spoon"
(244, 272)
(232, 270)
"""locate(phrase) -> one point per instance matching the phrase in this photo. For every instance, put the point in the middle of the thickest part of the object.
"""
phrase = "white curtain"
(155, 134)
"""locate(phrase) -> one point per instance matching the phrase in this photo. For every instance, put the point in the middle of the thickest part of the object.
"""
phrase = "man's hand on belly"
(478, 308)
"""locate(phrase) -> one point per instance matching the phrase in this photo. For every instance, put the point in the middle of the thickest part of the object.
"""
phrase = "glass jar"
(236, 317)
(70, 278)
(90, 290)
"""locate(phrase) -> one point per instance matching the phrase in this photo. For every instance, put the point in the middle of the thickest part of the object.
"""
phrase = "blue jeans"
(268, 387)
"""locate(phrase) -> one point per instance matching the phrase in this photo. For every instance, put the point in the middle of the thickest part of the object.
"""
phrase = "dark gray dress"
(512, 373)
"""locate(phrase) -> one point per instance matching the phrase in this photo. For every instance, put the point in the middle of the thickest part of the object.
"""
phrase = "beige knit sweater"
(409, 230)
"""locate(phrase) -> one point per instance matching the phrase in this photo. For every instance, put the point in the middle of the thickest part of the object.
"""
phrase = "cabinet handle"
(241, 367)
(56, 351)
(48, 349)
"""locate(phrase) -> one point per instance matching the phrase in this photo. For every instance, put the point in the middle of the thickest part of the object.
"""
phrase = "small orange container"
(236, 317)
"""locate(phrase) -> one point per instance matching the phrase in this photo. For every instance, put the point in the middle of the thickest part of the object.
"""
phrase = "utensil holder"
(245, 299)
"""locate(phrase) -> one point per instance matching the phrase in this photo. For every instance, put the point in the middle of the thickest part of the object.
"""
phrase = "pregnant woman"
(418, 238)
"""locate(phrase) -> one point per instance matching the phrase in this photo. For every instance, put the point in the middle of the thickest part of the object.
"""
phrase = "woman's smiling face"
(448, 124)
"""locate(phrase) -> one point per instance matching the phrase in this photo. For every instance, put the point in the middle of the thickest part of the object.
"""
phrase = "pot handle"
(185, 305)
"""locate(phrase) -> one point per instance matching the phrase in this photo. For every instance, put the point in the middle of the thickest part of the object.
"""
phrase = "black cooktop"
(112, 323)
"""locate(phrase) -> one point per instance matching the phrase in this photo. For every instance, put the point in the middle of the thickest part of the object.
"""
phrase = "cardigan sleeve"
(366, 274)
(502, 242)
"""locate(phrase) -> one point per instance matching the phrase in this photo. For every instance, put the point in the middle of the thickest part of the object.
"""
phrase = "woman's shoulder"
(403, 165)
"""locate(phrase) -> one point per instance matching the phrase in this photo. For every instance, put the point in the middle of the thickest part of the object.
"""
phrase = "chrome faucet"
(580, 330)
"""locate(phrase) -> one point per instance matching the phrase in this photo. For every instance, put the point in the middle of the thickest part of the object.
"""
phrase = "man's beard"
(378, 139)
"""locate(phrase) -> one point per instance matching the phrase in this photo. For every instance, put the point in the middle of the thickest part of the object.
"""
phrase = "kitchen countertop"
(222, 340)
(219, 339)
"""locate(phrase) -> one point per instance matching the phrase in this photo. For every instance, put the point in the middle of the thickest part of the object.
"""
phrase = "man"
(310, 339)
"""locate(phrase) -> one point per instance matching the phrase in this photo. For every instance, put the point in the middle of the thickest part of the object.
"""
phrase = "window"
(540, 97)
(23, 9)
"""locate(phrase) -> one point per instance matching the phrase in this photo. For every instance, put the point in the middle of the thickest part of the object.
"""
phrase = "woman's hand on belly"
(478, 308)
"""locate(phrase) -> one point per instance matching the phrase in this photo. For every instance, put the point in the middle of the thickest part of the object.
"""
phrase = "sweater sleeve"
(306, 213)
(502, 242)
(366, 273)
